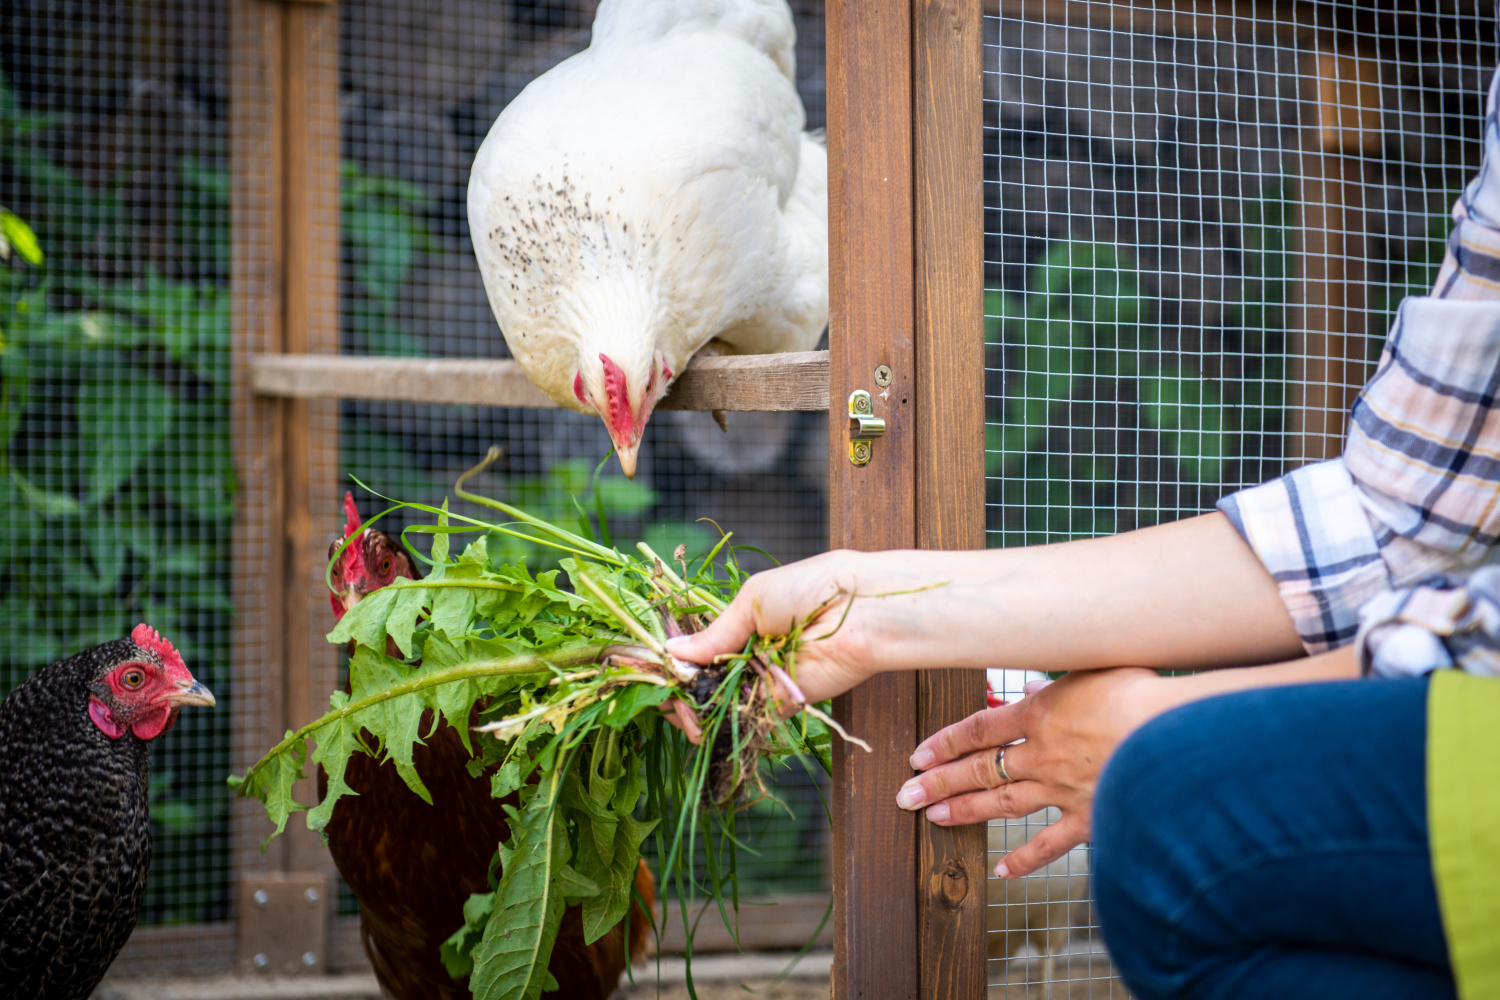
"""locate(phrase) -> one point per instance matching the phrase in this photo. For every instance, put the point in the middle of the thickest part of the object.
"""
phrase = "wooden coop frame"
(906, 274)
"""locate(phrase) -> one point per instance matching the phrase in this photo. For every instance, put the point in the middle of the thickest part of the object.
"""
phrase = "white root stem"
(613, 682)
(785, 680)
(682, 670)
(581, 675)
(831, 723)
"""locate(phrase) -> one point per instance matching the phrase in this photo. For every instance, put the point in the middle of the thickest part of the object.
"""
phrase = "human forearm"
(1189, 594)
(1338, 665)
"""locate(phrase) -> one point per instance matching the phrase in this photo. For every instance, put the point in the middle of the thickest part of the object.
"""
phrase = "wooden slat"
(1329, 352)
(194, 950)
(948, 273)
(872, 507)
(766, 923)
(257, 141)
(1215, 18)
(310, 457)
(753, 382)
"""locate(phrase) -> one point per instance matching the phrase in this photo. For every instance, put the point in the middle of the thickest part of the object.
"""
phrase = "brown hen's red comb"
(146, 637)
(352, 522)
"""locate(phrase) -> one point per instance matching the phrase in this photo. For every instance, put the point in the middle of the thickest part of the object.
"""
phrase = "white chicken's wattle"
(648, 195)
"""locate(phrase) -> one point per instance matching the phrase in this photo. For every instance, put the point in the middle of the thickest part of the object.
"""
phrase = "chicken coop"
(1095, 264)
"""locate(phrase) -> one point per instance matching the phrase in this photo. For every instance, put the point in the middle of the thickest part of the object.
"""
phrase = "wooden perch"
(747, 382)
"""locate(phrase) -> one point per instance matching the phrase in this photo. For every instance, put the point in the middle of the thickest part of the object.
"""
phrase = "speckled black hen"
(75, 834)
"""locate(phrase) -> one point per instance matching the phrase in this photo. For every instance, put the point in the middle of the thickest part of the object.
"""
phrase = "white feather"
(654, 192)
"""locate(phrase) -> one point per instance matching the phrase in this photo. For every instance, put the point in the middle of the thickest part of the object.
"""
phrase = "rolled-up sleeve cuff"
(1311, 532)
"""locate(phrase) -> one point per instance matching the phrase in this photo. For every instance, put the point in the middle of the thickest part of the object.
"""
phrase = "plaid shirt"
(1416, 494)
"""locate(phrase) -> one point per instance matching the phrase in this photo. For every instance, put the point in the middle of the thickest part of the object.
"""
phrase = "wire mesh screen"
(117, 487)
(421, 85)
(1197, 228)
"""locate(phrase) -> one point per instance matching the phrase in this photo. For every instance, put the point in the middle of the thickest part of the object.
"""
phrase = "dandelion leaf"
(615, 876)
(510, 961)
(631, 701)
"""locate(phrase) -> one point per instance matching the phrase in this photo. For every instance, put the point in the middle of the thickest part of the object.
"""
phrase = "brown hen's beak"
(192, 692)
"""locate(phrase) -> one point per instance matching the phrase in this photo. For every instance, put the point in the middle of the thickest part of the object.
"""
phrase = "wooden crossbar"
(750, 382)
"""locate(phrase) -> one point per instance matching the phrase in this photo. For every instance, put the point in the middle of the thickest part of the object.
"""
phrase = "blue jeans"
(1274, 844)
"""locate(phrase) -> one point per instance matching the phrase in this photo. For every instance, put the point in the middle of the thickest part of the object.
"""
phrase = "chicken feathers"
(652, 193)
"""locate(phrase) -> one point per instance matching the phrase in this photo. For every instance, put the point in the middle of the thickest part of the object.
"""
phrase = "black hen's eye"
(133, 678)
(386, 565)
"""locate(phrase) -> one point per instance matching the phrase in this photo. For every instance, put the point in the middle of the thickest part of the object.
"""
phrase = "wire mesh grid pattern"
(1197, 228)
(115, 461)
(119, 414)
(419, 91)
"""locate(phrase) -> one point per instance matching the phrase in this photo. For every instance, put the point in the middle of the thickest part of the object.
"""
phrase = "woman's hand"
(1071, 726)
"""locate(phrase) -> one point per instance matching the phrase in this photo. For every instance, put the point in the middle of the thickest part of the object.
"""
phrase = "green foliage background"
(1097, 424)
(117, 482)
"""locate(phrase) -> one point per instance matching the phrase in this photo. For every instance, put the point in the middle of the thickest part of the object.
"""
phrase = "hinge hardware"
(864, 427)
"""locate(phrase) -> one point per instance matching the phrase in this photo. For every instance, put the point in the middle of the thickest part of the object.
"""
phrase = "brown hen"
(413, 865)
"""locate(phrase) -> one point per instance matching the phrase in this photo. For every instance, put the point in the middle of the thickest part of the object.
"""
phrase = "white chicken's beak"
(191, 692)
(627, 458)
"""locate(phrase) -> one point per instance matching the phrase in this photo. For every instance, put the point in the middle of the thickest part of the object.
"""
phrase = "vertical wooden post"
(873, 506)
(1330, 354)
(948, 275)
(285, 286)
(311, 226)
(257, 142)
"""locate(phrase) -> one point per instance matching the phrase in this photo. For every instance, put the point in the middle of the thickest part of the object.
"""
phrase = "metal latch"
(864, 427)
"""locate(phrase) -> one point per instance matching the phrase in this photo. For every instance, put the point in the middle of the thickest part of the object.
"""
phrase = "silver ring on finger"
(1005, 778)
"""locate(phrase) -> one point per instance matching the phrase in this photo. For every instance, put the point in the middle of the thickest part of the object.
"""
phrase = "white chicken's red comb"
(146, 637)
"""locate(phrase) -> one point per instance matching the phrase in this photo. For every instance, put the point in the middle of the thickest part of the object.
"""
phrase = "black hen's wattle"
(75, 834)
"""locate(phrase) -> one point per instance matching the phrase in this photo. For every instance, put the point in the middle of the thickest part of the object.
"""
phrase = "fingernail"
(912, 795)
(922, 759)
(678, 641)
(1002, 871)
(938, 813)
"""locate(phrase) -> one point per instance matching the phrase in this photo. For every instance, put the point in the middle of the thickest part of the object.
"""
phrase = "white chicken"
(648, 195)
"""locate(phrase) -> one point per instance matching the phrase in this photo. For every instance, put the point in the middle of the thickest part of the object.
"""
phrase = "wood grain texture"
(310, 474)
(948, 276)
(750, 382)
(1329, 360)
(767, 923)
(257, 141)
(189, 950)
(1167, 17)
(873, 506)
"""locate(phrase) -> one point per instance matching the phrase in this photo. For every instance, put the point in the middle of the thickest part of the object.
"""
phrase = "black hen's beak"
(191, 692)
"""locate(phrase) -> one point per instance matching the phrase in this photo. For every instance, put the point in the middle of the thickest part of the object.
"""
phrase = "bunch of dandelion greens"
(569, 684)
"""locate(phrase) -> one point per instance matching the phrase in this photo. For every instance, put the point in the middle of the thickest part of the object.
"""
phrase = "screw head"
(309, 959)
(261, 960)
(261, 897)
(861, 452)
(882, 376)
(310, 894)
(862, 404)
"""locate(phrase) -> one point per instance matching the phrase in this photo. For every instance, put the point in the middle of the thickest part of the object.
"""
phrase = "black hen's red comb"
(146, 637)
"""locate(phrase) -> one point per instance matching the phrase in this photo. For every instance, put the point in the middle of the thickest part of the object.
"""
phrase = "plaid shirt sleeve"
(1436, 625)
(1416, 493)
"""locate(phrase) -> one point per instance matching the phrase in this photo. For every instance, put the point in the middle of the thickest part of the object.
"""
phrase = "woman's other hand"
(1070, 728)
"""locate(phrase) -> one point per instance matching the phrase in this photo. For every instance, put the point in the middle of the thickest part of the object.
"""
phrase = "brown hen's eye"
(132, 679)
(385, 566)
